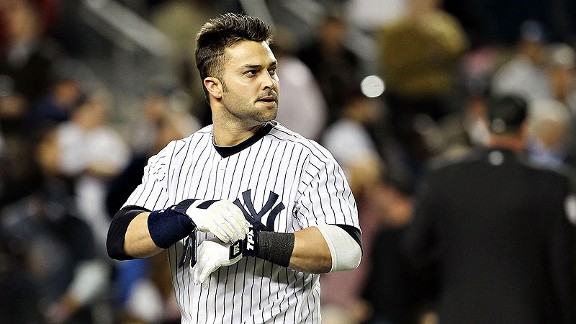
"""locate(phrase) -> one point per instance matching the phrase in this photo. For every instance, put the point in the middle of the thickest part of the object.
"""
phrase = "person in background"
(336, 67)
(56, 105)
(92, 152)
(419, 56)
(26, 72)
(59, 248)
(550, 125)
(26, 62)
(498, 230)
(524, 74)
(561, 71)
(303, 107)
(350, 141)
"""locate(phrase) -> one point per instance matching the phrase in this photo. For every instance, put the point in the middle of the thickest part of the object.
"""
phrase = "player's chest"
(266, 191)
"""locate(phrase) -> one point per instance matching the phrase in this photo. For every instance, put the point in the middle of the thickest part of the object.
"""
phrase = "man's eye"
(250, 72)
(272, 72)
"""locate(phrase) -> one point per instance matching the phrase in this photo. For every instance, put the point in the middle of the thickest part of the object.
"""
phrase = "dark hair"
(506, 113)
(222, 32)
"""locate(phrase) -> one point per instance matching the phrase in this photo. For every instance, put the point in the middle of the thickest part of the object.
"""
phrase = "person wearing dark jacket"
(498, 231)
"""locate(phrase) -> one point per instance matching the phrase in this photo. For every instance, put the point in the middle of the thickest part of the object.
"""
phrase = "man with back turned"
(498, 231)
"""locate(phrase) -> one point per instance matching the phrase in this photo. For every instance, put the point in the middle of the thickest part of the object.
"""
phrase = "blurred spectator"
(524, 74)
(550, 127)
(498, 230)
(19, 297)
(335, 67)
(370, 14)
(18, 174)
(92, 152)
(349, 140)
(302, 107)
(560, 64)
(420, 55)
(478, 68)
(59, 248)
(56, 105)
(161, 101)
(26, 62)
(180, 20)
(26, 59)
(561, 72)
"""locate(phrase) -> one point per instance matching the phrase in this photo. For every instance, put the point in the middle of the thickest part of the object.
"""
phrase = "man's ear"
(214, 87)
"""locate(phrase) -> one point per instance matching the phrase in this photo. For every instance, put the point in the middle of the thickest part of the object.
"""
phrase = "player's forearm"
(317, 249)
(311, 253)
(137, 242)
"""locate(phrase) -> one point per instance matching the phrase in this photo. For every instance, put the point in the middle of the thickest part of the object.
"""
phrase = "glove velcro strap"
(183, 206)
(271, 246)
(167, 227)
(248, 246)
(251, 244)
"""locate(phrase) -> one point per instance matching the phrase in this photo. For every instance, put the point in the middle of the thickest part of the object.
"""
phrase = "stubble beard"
(250, 115)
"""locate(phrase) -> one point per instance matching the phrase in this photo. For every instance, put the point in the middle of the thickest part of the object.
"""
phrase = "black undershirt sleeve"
(117, 231)
(354, 232)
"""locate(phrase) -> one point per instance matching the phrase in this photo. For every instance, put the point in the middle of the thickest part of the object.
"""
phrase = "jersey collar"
(226, 151)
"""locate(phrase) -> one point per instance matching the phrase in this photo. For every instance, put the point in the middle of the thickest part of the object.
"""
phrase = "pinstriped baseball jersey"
(279, 179)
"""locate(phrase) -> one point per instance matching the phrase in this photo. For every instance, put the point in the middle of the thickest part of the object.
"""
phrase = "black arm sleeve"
(354, 232)
(117, 231)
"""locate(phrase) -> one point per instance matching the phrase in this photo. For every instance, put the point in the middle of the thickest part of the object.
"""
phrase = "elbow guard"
(345, 250)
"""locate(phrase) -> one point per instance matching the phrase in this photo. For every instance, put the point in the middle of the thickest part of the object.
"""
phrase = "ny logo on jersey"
(254, 217)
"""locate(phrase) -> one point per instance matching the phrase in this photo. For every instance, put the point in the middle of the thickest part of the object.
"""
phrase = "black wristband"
(276, 247)
(271, 246)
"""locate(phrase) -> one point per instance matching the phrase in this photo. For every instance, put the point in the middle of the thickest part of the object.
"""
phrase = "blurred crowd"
(386, 86)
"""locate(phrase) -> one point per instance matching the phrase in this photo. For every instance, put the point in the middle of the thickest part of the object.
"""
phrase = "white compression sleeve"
(345, 251)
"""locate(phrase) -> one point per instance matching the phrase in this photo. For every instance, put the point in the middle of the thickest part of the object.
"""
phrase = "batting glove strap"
(271, 246)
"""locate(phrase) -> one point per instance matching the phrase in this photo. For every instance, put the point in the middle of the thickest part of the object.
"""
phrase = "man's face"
(250, 83)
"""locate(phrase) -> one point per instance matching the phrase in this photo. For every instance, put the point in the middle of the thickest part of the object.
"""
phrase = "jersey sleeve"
(152, 192)
(327, 197)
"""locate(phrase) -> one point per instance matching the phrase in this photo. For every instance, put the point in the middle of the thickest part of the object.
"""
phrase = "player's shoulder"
(308, 146)
(204, 134)
(177, 147)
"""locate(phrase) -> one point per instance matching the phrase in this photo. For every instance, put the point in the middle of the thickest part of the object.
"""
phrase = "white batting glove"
(221, 218)
(212, 255)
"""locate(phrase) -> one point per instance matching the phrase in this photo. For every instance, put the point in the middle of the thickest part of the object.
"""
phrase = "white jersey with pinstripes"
(280, 179)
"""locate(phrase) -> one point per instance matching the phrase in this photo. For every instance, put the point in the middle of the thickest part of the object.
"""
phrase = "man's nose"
(269, 80)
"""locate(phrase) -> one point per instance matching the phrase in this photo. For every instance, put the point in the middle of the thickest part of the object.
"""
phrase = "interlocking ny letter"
(255, 217)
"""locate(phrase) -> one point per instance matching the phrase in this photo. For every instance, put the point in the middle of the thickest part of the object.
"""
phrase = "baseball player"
(250, 212)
